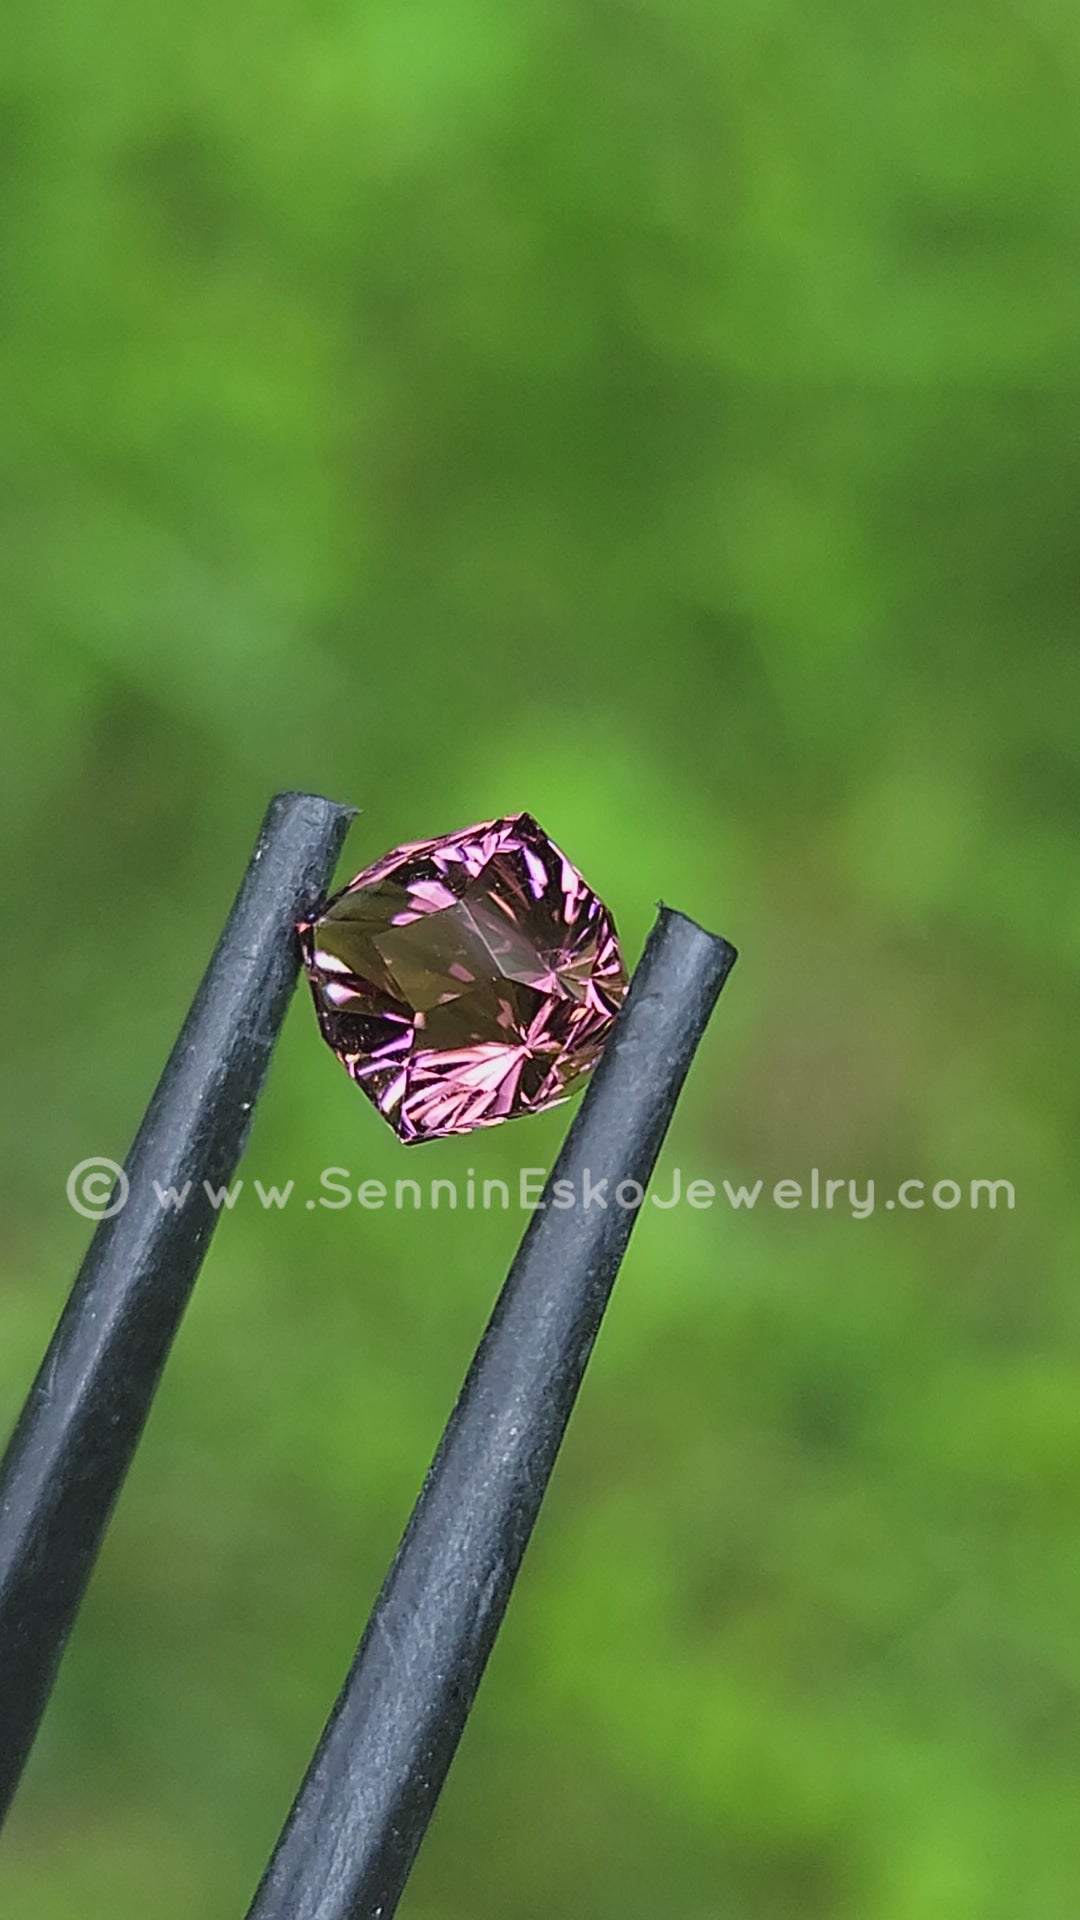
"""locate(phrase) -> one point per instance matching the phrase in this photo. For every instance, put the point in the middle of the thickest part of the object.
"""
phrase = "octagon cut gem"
(464, 981)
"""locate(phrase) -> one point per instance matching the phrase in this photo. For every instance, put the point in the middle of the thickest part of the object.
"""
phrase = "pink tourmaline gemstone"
(464, 981)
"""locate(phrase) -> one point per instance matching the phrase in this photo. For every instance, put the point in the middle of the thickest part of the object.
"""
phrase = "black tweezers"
(369, 1793)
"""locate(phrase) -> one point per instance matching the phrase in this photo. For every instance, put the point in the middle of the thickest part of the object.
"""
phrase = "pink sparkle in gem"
(464, 981)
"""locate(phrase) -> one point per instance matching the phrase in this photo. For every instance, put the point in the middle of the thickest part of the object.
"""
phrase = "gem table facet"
(464, 981)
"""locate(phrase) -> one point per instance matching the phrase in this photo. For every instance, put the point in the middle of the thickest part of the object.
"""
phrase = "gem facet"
(466, 980)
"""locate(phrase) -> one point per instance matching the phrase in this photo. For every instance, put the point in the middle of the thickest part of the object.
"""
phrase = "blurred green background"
(665, 417)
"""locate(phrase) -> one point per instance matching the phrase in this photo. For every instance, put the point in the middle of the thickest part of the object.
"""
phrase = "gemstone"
(467, 980)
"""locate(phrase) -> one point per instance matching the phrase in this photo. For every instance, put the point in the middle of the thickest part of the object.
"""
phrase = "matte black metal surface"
(85, 1412)
(372, 1786)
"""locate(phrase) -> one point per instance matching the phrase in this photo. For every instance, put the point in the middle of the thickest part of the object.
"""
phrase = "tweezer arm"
(85, 1412)
(364, 1806)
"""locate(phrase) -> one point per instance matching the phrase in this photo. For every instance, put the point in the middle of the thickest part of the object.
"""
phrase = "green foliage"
(666, 418)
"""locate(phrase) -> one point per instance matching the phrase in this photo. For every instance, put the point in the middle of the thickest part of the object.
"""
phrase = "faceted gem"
(467, 980)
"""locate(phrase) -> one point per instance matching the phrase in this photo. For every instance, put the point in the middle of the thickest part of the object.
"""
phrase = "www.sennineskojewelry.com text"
(98, 1187)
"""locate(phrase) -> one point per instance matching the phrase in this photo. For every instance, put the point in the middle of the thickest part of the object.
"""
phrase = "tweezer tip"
(729, 952)
(297, 796)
